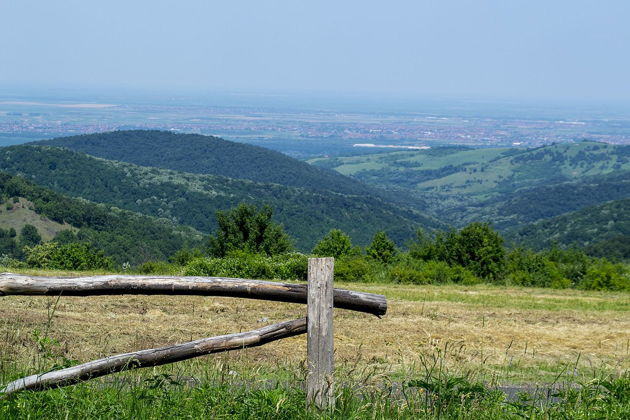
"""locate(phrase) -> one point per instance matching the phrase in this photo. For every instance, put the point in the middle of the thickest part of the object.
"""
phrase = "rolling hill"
(603, 230)
(192, 199)
(505, 186)
(209, 155)
(123, 235)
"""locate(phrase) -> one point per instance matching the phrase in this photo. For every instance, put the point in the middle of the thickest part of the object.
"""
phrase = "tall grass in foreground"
(219, 389)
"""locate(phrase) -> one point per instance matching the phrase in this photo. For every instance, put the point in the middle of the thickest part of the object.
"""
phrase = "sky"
(530, 49)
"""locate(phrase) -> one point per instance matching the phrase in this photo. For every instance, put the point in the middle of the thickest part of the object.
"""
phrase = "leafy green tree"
(246, 228)
(29, 236)
(476, 247)
(382, 248)
(480, 249)
(335, 244)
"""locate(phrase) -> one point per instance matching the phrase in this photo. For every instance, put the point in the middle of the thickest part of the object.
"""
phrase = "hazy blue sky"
(562, 49)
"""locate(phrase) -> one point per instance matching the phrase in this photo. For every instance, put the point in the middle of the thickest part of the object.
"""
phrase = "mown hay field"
(507, 335)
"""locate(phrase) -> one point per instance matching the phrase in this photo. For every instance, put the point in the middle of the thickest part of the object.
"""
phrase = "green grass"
(221, 391)
(502, 297)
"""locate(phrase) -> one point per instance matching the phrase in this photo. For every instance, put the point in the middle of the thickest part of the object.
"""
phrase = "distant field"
(517, 335)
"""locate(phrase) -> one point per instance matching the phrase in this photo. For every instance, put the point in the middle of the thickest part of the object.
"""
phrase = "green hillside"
(200, 154)
(604, 230)
(122, 235)
(193, 199)
(505, 186)
(16, 212)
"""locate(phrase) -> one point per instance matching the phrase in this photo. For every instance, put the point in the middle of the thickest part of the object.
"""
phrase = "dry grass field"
(514, 335)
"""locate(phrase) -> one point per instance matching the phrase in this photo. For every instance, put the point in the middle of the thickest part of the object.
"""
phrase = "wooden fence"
(318, 294)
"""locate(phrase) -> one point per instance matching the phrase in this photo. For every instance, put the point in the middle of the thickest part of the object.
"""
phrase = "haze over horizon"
(555, 51)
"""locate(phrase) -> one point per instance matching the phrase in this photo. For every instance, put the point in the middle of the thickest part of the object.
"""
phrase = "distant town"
(287, 131)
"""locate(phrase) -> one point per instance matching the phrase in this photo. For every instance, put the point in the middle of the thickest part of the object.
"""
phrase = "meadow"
(441, 351)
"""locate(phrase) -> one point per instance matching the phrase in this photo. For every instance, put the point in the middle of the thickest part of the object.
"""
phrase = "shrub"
(431, 272)
(476, 247)
(245, 228)
(76, 256)
(382, 248)
(244, 265)
(335, 244)
(528, 268)
(605, 276)
(157, 267)
(354, 269)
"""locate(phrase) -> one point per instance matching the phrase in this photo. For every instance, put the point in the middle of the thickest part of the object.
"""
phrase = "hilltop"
(195, 153)
(192, 199)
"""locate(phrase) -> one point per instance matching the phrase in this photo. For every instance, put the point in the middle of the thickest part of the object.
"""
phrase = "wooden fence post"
(319, 381)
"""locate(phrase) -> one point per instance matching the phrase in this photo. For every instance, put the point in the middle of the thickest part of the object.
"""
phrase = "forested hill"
(200, 154)
(505, 186)
(122, 235)
(193, 199)
(603, 230)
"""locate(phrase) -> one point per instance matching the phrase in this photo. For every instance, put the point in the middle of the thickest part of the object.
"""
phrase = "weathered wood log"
(156, 357)
(16, 284)
(320, 348)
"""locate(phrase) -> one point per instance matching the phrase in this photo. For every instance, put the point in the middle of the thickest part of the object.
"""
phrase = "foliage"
(335, 244)
(207, 155)
(122, 235)
(355, 268)
(476, 247)
(602, 230)
(29, 236)
(193, 199)
(430, 272)
(382, 248)
(527, 268)
(75, 256)
(245, 228)
(605, 275)
(241, 264)
(185, 255)
(157, 267)
(508, 186)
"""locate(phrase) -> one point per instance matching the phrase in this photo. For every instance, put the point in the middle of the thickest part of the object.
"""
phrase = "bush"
(382, 249)
(76, 256)
(255, 266)
(605, 276)
(431, 272)
(528, 268)
(335, 244)
(185, 255)
(157, 267)
(355, 268)
(245, 228)
(476, 247)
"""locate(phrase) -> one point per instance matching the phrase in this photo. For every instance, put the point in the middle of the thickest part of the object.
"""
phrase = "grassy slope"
(192, 199)
(22, 213)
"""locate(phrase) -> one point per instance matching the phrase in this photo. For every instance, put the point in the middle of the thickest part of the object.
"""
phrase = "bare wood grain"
(320, 349)
(16, 284)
